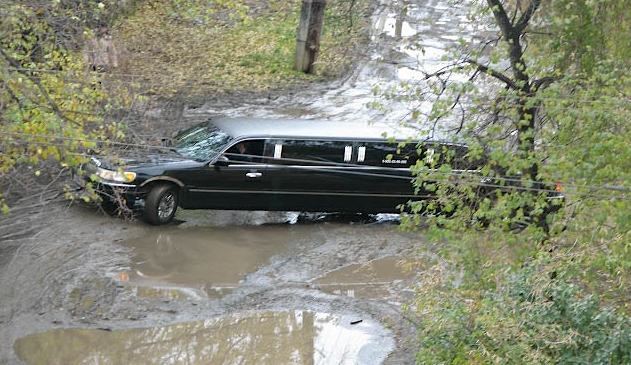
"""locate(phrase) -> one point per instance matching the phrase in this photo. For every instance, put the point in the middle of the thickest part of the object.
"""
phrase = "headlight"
(118, 176)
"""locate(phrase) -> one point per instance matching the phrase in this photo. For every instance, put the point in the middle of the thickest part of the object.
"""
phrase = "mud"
(377, 279)
(81, 270)
(291, 337)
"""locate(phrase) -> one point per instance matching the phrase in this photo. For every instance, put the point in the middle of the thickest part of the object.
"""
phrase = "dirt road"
(73, 267)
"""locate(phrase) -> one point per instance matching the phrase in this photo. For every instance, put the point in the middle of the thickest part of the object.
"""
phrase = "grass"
(186, 47)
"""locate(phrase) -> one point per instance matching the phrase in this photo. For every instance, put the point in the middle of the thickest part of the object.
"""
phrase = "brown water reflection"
(293, 337)
(213, 260)
(371, 280)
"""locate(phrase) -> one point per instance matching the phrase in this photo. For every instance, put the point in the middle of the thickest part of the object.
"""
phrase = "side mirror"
(167, 142)
(222, 161)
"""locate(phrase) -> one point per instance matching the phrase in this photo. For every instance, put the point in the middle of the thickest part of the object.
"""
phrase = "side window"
(311, 152)
(439, 154)
(387, 154)
(249, 151)
(394, 155)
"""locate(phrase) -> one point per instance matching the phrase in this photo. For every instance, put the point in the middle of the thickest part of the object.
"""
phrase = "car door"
(311, 175)
(386, 179)
(237, 180)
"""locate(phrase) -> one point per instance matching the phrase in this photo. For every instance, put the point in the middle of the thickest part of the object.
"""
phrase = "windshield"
(201, 142)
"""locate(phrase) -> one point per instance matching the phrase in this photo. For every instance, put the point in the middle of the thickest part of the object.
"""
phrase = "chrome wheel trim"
(166, 206)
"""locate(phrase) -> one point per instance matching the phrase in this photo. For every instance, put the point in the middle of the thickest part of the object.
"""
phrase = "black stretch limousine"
(258, 164)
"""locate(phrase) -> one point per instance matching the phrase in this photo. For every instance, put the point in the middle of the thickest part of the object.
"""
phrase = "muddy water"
(209, 260)
(374, 279)
(292, 337)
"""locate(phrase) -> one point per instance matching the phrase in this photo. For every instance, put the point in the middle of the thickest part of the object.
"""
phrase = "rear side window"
(311, 152)
(387, 154)
(407, 154)
(453, 155)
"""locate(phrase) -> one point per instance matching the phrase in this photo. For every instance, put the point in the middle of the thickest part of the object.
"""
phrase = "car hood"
(139, 161)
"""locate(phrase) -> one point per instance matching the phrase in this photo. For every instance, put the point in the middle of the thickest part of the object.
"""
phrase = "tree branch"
(16, 64)
(500, 16)
(522, 23)
(543, 82)
(14, 97)
(498, 75)
(512, 36)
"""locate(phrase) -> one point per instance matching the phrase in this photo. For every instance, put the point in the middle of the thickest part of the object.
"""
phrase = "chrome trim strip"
(348, 153)
(278, 150)
(256, 166)
(165, 178)
(306, 193)
(353, 167)
(118, 185)
(333, 167)
(361, 154)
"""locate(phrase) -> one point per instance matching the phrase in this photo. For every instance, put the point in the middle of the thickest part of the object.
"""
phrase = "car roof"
(240, 128)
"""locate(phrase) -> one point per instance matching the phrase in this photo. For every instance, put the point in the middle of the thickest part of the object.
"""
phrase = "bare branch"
(500, 16)
(543, 82)
(498, 75)
(14, 97)
(522, 23)
(512, 36)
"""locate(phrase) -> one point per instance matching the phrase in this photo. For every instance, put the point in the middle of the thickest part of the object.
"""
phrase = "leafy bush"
(527, 321)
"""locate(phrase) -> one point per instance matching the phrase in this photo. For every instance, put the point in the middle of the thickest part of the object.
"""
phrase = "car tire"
(161, 204)
(108, 206)
(113, 207)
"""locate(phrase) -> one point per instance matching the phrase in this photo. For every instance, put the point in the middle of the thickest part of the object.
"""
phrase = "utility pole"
(309, 31)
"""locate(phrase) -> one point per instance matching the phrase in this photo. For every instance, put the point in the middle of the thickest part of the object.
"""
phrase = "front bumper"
(117, 185)
(111, 191)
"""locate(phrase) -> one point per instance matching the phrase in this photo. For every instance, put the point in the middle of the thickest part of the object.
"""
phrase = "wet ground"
(283, 287)
(429, 29)
(297, 337)
(221, 286)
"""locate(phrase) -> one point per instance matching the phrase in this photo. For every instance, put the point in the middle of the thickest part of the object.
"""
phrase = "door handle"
(253, 175)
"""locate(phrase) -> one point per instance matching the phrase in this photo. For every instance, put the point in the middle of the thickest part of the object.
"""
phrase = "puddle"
(224, 218)
(361, 218)
(371, 280)
(292, 337)
(161, 293)
(212, 261)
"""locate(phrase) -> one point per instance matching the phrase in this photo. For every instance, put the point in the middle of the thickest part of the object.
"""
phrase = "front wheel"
(161, 204)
